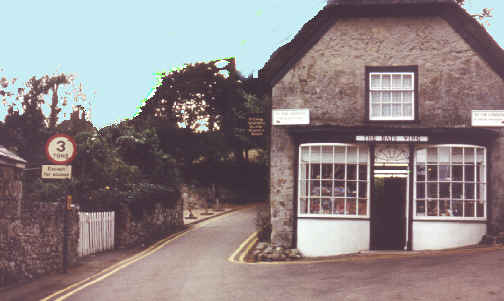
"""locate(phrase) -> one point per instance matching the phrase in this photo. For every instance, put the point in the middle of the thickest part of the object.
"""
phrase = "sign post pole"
(60, 150)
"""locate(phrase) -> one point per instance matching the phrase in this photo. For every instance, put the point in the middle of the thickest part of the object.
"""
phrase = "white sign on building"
(490, 118)
(56, 171)
(290, 116)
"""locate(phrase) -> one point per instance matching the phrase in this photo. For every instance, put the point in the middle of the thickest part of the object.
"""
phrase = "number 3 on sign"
(60, 149)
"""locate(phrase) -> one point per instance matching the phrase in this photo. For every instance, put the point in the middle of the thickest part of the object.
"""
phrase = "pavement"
(457, 274)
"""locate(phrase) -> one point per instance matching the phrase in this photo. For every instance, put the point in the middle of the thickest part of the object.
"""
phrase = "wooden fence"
(96, 232)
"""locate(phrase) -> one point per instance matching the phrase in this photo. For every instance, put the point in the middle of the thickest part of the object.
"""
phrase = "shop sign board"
(487, 118)
(56, 171)
(255, 124)
(60, 149)
(402, 139)
(290, 116)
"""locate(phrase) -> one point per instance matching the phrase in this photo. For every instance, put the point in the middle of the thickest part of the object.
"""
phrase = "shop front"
(382, 192)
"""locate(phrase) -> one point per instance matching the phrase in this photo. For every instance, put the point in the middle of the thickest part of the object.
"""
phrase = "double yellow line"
(243, 249)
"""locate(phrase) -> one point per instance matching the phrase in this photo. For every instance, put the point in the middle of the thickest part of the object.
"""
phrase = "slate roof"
(466, 26)
(10, 158)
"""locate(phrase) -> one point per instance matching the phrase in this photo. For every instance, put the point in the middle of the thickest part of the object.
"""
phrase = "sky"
(115, 48)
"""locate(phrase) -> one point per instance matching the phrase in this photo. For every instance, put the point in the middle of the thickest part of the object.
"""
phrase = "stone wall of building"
(330, 81)
(153, 224)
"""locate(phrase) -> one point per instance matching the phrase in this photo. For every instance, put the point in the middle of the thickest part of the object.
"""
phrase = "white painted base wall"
(444, 235)
(326, 237)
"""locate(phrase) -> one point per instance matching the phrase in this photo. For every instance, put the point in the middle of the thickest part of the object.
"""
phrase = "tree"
(481, 16)
(202, 99)
(30, 120)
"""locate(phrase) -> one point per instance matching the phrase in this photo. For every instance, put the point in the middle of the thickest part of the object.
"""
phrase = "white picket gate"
(97, 232)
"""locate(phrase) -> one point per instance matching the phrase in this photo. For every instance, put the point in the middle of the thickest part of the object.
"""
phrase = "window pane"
(339, 154)
(351, 172)
(420, 207)
(375, 97)
(456, 190)
(469, 173)
(480, 155)
(468, 155)
(326, 206)
(362, 189)
(352, 154)
(457, 207)
(351, 206)
(396, 96)
(386, 110)
(444, 154)
(375, 110)
(432, 155)
(407, 81)
(326, 188)
(303, 203)
(386, 96)
(375, 81)
(444, 173)
(420, 190)
(469, 191)
(315, 205)
(351, 190)
(396, 81)
(444, 190)
(363, 155)
(362, 206)
(457, 173)
(481, 173)
(444, 208)
(432, 209)
(339, 188)
(432, 190)
(315, 171)
(407, 110)
(315, 188)
(363, 172)
(303, 185)
(432, 173)
(481, 192)
(327, 172)
(469, 208)
(339, 171)
(480, 209)
(421, 172)
(396, 110)
(456, 154)
(339, 206)
(421, 155)
(386, 81)
(407, 97)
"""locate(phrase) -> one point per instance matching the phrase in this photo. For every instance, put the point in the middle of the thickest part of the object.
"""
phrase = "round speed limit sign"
(60, 149)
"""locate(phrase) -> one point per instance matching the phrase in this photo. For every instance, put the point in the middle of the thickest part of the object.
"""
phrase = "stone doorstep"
(265, 252)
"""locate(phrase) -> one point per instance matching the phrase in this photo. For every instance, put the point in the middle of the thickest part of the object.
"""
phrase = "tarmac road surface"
(195, 266)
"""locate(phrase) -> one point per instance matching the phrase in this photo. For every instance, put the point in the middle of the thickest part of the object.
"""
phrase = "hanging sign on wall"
(404, 139)
(290, 116)
(488, 118)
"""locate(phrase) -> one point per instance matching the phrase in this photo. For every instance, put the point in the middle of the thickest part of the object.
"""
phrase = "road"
(195, 266)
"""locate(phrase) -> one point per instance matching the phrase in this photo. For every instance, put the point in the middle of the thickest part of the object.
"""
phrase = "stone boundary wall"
(32, 245)
(153, 225)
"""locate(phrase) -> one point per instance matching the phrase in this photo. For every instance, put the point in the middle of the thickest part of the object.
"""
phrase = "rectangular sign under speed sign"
(56, 172)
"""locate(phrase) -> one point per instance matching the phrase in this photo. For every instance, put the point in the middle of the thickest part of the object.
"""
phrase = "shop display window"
(333, 180)
(450, 181)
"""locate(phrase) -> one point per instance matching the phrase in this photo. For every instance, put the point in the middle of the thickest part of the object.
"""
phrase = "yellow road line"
(124, 263)
(241, 247)
(247, 249)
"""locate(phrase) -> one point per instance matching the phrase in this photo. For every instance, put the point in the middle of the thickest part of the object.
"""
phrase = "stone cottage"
(387, 129)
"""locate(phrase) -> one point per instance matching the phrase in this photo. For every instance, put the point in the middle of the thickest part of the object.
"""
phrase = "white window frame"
(482, 181)
(391, 102)
(308, 196)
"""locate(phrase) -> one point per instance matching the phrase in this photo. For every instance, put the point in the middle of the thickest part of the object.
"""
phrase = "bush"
(263, 223)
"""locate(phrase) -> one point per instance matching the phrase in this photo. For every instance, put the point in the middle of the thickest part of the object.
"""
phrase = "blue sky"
(116, 47)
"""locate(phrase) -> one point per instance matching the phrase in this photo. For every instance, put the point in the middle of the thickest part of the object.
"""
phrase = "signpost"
(61, 149)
